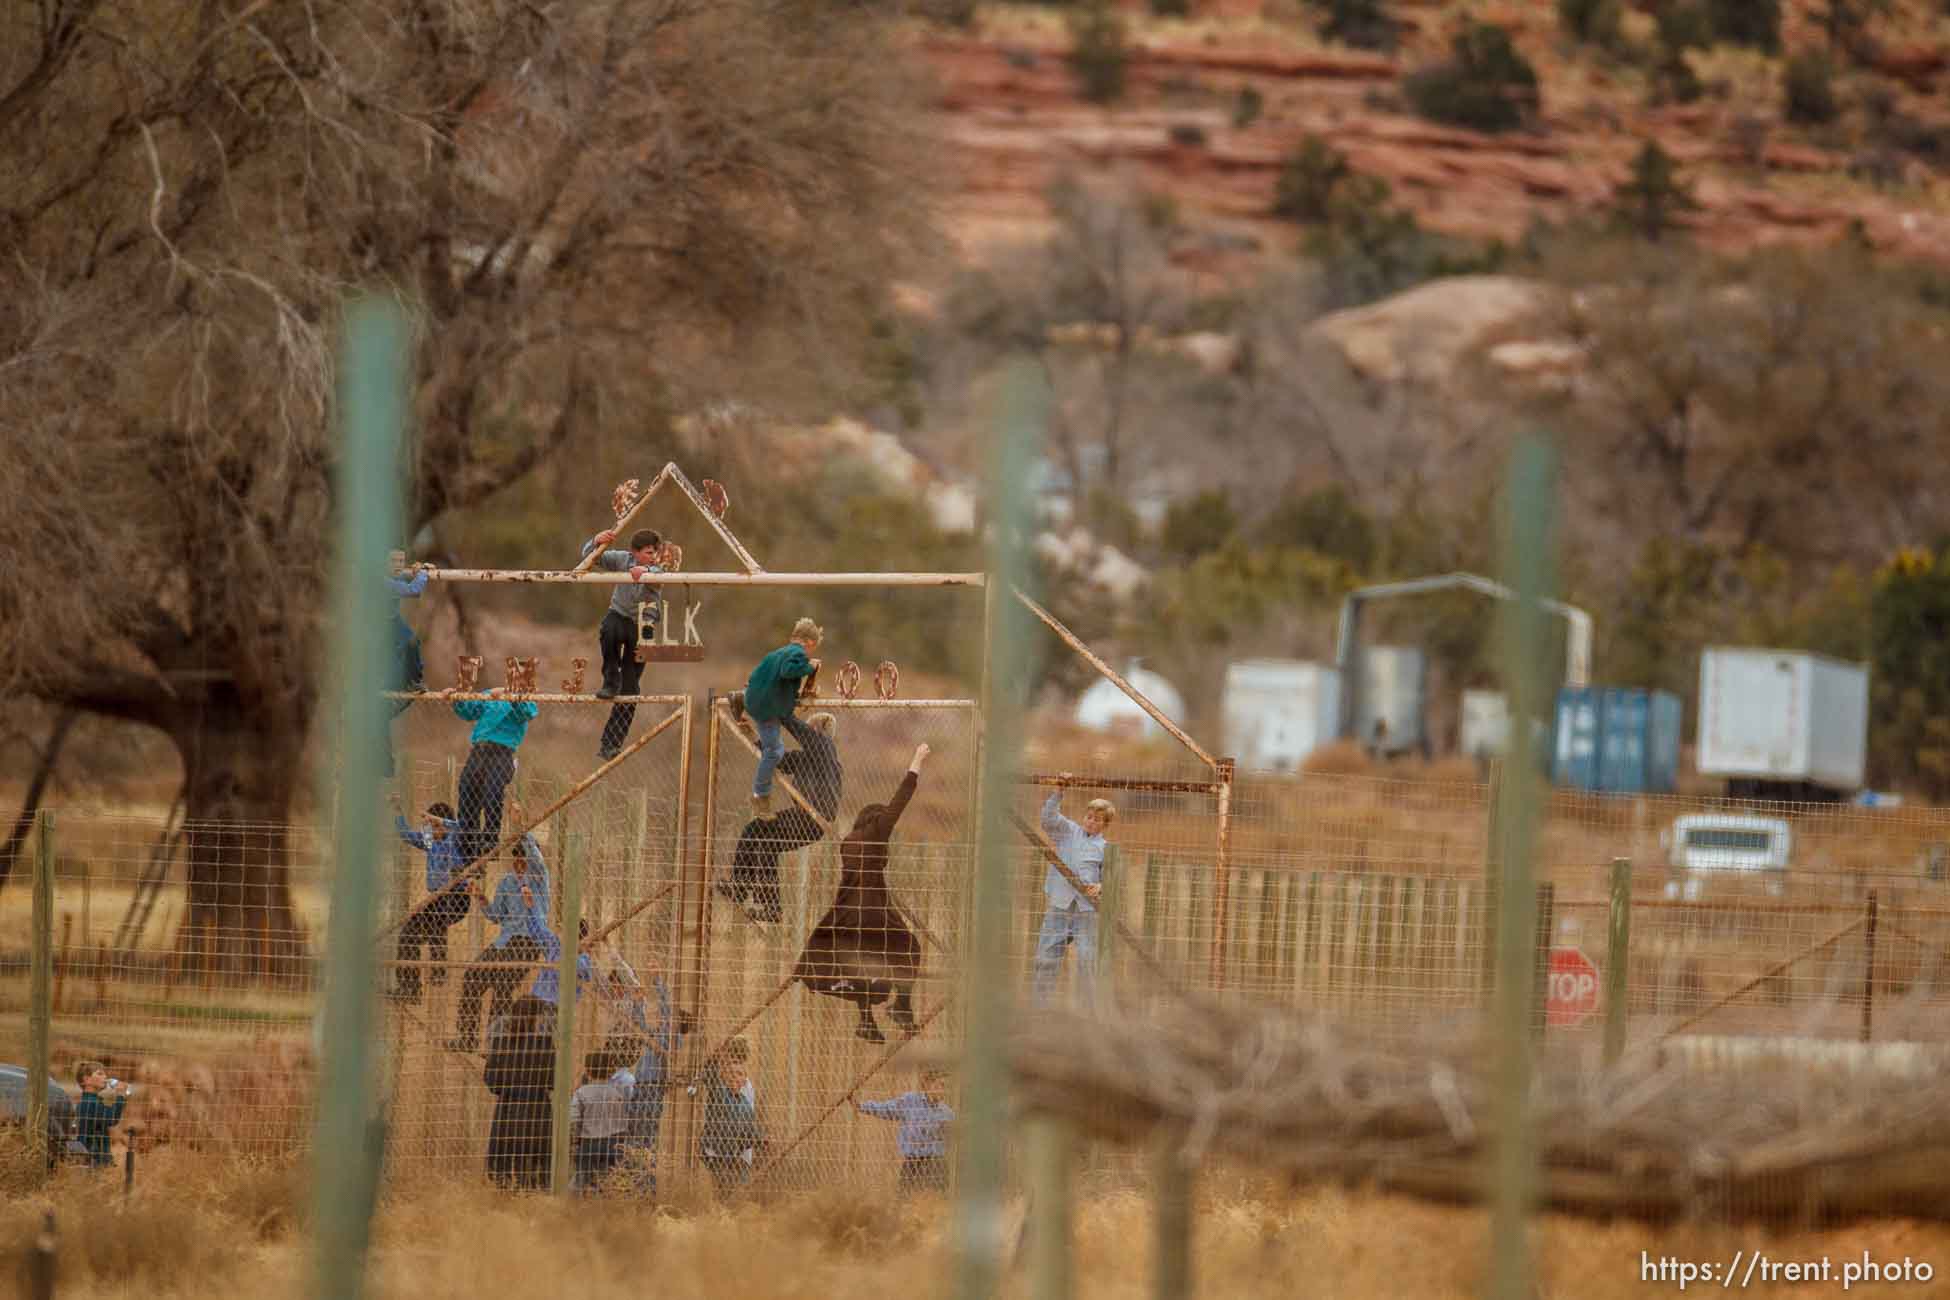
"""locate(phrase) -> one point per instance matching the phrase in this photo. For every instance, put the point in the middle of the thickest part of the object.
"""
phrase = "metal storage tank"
(1393, 682)
(1105, 708)
(1616, 740)
(1278, 711)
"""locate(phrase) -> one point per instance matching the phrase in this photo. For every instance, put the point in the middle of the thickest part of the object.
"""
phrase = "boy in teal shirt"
(94, 1116)
(771, 694)
(499, 728)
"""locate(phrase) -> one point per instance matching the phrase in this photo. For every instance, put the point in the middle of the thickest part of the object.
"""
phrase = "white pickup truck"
(1713, 842)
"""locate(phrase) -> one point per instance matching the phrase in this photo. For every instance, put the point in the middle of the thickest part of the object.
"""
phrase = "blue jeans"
(771, 748)
(1063, 926)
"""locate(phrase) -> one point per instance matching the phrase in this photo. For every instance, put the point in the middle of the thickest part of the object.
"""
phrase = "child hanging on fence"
(429, 922)
(922, 1138)
(862, 951)
(770, 696)
(500, 726)
(548, 980)
(617, 635)
(1070, 916)
(652, 1075)
(598, 1120)
(409, 671)
(729, 1141)
(520, 908)
(814, 769)
(94, 1115)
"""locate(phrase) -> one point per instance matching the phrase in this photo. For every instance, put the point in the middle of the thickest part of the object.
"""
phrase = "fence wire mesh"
(185, 951)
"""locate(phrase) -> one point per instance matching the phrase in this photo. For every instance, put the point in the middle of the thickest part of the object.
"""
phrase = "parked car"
(63, 1134)
(1727, 842)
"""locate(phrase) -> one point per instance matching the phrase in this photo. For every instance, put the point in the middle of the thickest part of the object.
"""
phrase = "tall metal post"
(1529, 558)
(978, 1205)
(372, 402)
(40, 1003)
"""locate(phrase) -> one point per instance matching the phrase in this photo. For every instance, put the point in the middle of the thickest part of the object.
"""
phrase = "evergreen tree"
(1652, 201)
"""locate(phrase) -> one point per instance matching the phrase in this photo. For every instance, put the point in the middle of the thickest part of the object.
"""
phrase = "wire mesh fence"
(184, 951)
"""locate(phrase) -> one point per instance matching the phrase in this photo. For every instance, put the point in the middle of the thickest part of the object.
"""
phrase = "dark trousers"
(427, 925)
(755, 862)
(728, 1173)
(499, 980)
(595, 1157)
(622, 672)
(923, 1174)
(483, 783)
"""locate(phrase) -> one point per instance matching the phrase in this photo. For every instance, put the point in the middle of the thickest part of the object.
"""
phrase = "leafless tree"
(591, 209)
(1791, 401)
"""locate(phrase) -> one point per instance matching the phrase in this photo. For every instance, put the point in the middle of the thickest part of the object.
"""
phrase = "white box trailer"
(1782, 724)
(1278, 711)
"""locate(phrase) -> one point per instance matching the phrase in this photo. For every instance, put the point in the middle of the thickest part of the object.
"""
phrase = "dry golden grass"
(201, 1228)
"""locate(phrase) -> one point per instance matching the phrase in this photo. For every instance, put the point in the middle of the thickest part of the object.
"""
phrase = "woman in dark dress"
(520, 1073)
(862, 950)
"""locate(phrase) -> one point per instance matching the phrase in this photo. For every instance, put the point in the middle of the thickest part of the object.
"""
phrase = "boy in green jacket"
(771, 694)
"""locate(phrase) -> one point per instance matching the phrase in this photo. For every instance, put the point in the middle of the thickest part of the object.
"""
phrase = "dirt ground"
(200, 1228)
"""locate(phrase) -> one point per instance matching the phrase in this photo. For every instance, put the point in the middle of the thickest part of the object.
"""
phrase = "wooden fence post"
(1618, 959)
(1869, 970)
(1540, 974)
(1171, 1269)
(40, 1006)
(1047, 1147)
(570, 953)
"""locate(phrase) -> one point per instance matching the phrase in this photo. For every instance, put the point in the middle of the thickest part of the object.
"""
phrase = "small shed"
(1105, 708)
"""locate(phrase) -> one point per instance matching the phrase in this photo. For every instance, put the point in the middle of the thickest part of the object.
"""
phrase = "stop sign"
(1572, 993)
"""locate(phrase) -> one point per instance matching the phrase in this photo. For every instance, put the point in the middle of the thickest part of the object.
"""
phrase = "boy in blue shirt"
(499, 728)
(429, 922)
(1069, 916)
(548, 980)
(94, 1116)
(520, 908)
(771, 694)
(731, 1136)
(922, 1138)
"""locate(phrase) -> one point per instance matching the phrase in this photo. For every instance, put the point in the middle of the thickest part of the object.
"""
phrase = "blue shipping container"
(1616, 740)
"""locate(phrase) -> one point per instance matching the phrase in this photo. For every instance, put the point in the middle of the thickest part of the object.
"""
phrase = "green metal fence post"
(1528, 564)
(40, 1005)
(1007, 666)
(372, 405)
(1618, 959)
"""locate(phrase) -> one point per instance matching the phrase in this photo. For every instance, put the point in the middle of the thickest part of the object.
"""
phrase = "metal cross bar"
(538, 697)
(1110, 674)
(1059, 781)
(759, 579)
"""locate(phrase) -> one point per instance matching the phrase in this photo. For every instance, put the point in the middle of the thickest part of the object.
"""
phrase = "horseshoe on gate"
(716, 499)
(572, 684)
(624, 498)
(848, 680)
(521, 675)
(467, 671)
(886, 679)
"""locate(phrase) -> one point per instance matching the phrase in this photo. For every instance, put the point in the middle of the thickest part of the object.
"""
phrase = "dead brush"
(848, 1223)
(159, 1237)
